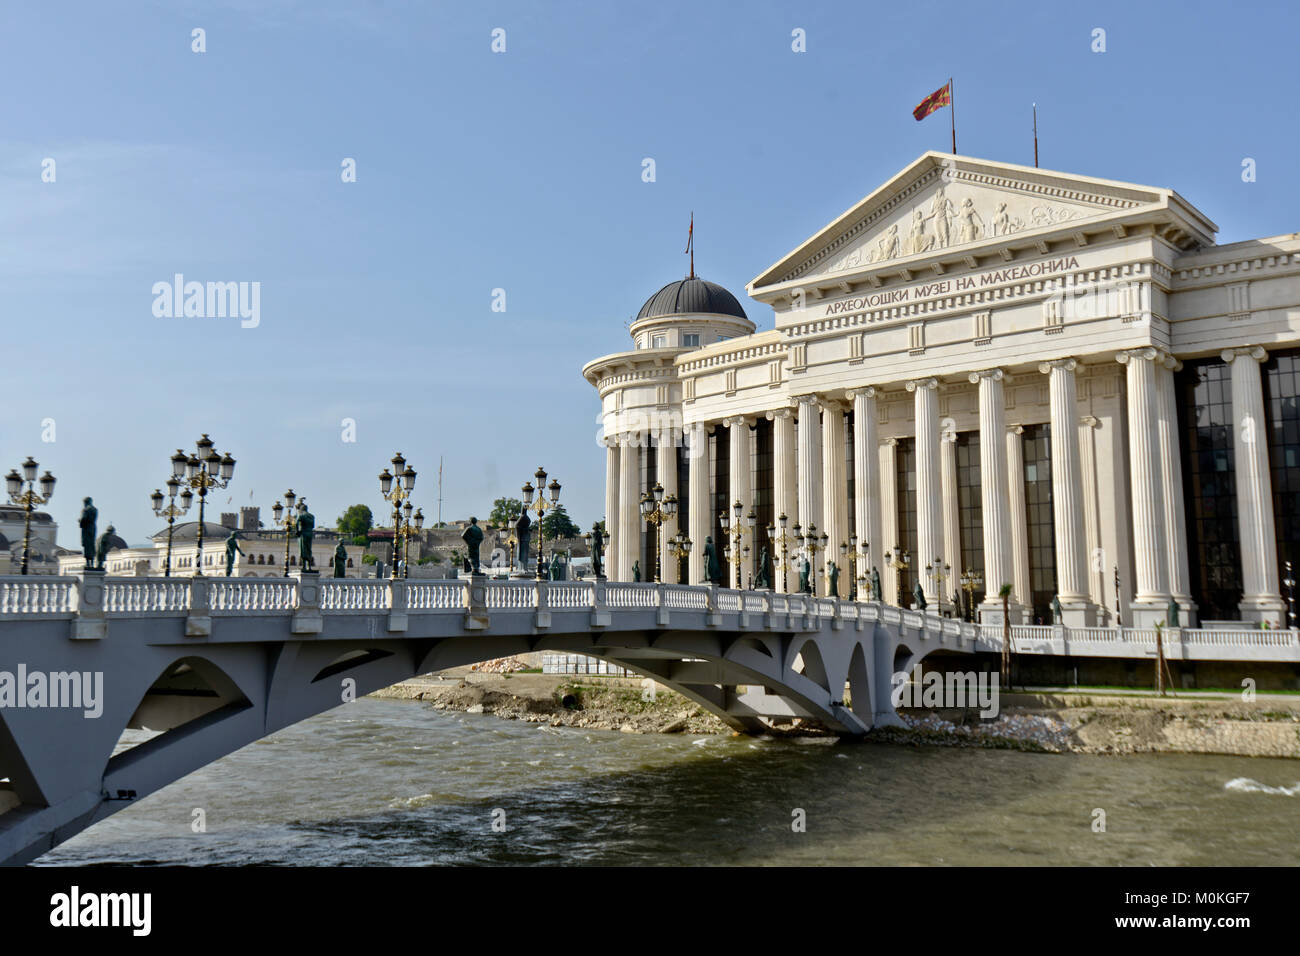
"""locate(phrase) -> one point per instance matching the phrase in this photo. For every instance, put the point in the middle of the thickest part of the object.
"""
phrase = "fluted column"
(810, 465)
(1260, 600)
(866, 482)
(929, 518)
(951, 515)
(698, 485)
(1067, 495)
(993, 490)
(628, 538)
(1171, 482)
(666, 468)
(1022, 593)
(611, 504)
(784, 487)
(1097, 565)
(890, 540)
(835, 501)
(739, 490)
(1151, 560)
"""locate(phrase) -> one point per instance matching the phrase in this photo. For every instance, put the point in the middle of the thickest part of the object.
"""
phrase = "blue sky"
(519, 171)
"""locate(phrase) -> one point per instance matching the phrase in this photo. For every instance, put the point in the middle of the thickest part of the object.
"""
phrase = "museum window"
(970, 515)
(691, 340)
(649, 532)
(905, 478)
(1040, 522)
(762, 479)
(1281, 374)
(659, 341)
(1204, 398)
(684, 509)
(720, 453)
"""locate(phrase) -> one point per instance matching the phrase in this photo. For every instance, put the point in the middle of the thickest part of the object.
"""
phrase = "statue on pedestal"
(597, 551)
(833, 576)
(805, 570)
(712, 572)
(1171, 616)
(636, 571)
(762, 582)
(232, 545)
(87, 524)
(105, 543)
(918, 594)
(473, 537)
(305, 528)
(523, 526)
(557, 568)
(340, 561)
(876, 594)
(1056, 609)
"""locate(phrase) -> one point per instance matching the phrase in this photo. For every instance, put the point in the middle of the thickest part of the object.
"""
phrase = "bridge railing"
(36, 597)
(142, 597)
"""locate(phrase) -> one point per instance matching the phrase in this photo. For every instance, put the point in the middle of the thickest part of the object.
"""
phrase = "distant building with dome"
(981, 374)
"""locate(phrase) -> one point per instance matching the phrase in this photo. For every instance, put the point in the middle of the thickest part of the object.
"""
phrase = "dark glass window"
(970, 510)
(684, 507)
(1039, 521)
(720, 451)
(761, 480)
(1204, 398)
(649, 537)
(1282, 409)
(849, 470)
(905, 479)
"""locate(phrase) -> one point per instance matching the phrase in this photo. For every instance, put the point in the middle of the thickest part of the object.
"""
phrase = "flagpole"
(952, 113)
(1035, 136)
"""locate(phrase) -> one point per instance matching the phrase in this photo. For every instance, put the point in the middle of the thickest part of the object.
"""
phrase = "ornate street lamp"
(1119, 621)
(28, 498)
(206, 468)
(812, 544)
(171, 511)
(1289, 583)
(679, 546)
(856, 562)
(655, 510)
(408, 534)
(396, 488)
(736, 551)
(781, 544)
(938, 572)
(900, 561)
(285, 518)
(540, 507)
(971, 581)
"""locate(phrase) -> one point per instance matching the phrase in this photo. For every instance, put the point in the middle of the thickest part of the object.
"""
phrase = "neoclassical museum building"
(980, 375)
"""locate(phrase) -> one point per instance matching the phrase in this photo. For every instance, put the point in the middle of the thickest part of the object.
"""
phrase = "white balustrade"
(354, 595)
(624, 594)
(570, 595)
(252, 595)
(512, 595)
(31, 596)
(146, 596)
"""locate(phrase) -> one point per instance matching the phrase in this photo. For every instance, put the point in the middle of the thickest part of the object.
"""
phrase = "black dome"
(691, 295)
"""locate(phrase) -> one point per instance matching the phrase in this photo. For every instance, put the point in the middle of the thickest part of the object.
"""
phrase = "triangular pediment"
(944, 205)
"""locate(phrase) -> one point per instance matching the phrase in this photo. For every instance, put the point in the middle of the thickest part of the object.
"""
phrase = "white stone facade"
(967, 297)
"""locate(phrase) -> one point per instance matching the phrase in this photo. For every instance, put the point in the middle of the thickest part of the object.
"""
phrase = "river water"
(395, 782)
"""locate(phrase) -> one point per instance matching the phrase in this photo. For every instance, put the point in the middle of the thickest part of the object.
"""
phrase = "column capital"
(736, 420)
(1149, 353)
(948, 437)
(996, 374)
(774, 413)
(891, 442)
(807, 398)
(1016, 429)
(916, 383)
(830, 404)
(1092, 421)
(1068, 364)
(1253, 351)
(867, 391)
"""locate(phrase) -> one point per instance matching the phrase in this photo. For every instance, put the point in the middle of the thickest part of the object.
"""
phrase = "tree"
(356, 522)
(558, 524)
(505, 511)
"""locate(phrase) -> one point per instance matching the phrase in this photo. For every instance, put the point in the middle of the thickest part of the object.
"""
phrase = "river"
(395, 782)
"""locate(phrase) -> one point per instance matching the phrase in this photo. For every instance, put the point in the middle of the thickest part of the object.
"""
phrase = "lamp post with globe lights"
(735, 528)
(206, 468)
(29, 498)
(539, 507)
(171, 511)
(396, 488)
(285, 518)
(655, 510)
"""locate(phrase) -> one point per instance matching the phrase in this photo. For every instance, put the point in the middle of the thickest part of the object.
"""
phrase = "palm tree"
(1005, 593)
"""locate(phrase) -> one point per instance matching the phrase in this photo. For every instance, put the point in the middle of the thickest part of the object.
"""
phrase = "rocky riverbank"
(1045, 722)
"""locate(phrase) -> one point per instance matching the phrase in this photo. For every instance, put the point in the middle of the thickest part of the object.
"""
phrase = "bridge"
(211, 664)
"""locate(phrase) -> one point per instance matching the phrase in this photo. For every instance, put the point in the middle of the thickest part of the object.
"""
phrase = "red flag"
(937, 100)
